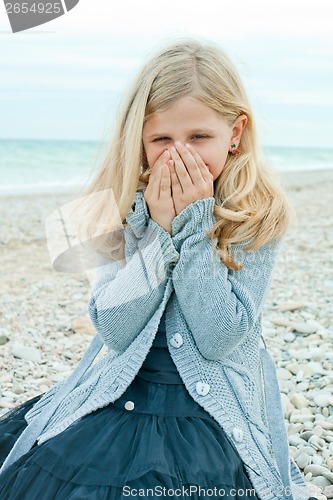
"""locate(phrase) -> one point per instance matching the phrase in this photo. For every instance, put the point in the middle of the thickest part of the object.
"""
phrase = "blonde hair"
(250, 203)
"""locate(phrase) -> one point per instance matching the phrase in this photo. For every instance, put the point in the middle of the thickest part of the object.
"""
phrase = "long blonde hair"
(250, 203)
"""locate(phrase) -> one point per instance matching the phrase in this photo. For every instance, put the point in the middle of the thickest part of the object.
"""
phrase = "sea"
(50, 166)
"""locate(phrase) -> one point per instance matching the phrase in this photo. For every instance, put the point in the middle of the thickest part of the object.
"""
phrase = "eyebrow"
(190, 132)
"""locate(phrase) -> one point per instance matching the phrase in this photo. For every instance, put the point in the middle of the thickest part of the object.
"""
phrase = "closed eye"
(200, 136)
(196, 136)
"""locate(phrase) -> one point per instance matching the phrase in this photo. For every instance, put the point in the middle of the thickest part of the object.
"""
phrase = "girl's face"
(190, 121)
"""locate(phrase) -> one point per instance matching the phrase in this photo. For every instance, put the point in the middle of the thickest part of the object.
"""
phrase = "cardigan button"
(129, 405)
(237, 434)
(176, 340)
(202, 388)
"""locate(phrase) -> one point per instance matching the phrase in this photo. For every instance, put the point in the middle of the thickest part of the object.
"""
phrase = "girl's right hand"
(158, 192)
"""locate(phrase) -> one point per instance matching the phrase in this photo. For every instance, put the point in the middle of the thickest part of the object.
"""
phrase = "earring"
(144, 154)
(234, 150)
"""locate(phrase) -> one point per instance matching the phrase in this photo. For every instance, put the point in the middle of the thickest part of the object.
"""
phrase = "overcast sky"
(62, 80)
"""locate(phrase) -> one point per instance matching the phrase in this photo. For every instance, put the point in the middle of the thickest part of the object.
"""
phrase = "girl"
(185, 402)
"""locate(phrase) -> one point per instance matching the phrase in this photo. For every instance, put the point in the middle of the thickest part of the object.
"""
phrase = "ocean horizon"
(33, 166)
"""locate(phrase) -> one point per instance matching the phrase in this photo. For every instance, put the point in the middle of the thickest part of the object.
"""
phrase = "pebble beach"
(45, 328)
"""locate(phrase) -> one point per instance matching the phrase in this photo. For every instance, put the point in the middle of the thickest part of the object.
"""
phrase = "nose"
(173, 142)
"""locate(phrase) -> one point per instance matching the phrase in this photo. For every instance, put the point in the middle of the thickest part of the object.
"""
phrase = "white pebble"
(317, 460)
(303, 386)
(27, 353)
(283, 373)
(6, 404)
(305, 327)
(295, 440)
(321, 481)
(289, 337)
(316, 470)
(323, 399)
(303, 460)
(317, 442)
(299, 401)
(328, 491)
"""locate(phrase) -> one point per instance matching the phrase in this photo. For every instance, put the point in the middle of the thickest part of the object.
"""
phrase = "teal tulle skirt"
(154, 441)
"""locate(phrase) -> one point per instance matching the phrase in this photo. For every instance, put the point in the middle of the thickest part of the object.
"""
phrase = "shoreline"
(318, 176)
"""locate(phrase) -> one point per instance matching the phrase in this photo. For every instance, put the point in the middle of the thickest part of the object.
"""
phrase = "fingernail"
(178, 144)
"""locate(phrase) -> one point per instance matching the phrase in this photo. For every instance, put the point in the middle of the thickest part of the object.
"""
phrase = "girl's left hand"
(190, 177)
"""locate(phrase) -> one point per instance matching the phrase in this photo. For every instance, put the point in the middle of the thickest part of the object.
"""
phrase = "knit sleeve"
(220, 305)
(197, 216)
(126, 293)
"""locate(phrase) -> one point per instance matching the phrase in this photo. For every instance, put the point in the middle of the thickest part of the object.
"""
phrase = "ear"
(238, 128)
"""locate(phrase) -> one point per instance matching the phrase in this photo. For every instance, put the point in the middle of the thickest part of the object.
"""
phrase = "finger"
(155, 174)
(174, 177)
(182, 173)
(189, 161)
(165, 184)
(155, 182)
(163, 158)
(205, 172)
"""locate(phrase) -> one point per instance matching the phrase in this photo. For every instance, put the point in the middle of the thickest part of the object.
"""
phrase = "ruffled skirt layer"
(167, 445)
